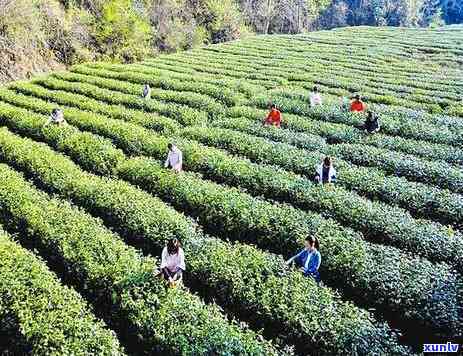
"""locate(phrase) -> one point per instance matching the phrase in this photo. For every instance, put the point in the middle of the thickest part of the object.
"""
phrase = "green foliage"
(251, 184)
(376, 220)
(183, 114)
(224, 95)
(39, 315)
(379, 221)
(43, 34)
(221, 19)
(281, 228)
(393, 13)
(121, 32)
(423, 200)
(401, 125)
(145, 219)
(113, 275)
(189, 98)
(278, 228)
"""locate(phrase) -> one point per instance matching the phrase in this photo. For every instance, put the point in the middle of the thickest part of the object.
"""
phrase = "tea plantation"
(86, 208)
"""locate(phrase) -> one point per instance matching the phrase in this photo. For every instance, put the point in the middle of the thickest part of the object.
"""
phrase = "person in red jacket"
(273, 117)
(357, 105)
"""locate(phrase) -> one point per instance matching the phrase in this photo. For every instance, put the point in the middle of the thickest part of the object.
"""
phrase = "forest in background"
(41, 35)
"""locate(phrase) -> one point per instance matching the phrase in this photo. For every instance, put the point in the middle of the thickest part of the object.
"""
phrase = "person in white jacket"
(174, 158)
(56, 117)
(172, 262)
(325, 172)
(315, 98)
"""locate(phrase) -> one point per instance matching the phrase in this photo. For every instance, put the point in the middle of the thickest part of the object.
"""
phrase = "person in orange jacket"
(357, 105)
(273, 117)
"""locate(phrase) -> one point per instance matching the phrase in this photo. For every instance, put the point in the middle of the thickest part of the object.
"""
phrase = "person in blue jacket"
(309, 259)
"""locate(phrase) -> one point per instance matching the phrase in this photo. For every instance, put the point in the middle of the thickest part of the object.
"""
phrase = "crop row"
(297, 51)
(428, 44)
(190, 99)
(401, 116)
(395, 116)
(130, 101)
(419, 170)
(380, 222)
(327, 63)
(397, 126)
(183, 114)
(224, 95)
(364, 271)
(291, 51)
(440, 173)
(114, 276)
(155, 122)
(228, 70)
(29, 325)
(300, 45)
(213, 163)
(141, 78)
(323, 67)
(325, 77)
(288, 58)
(422, 200)
(376, 95)
(251, 283)
(237, 87)
(418, 198)
(365, 274)
(394, 84)
(325, 122)
(328, 86)
(298, 139)
(260, 79)
(323, 132)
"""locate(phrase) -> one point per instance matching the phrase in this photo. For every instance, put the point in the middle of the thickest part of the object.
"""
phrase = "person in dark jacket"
(146, 94)
(371, 124)
(309, 259)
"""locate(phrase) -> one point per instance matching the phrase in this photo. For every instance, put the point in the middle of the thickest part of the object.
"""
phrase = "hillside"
(39, 36)
(91, 205)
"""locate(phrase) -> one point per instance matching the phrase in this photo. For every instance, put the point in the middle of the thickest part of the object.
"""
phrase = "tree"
(428, 11)
(452, 11)
(174, 27)
(335, 15)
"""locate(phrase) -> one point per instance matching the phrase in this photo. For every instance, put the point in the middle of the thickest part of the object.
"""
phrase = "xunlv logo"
(448, 347)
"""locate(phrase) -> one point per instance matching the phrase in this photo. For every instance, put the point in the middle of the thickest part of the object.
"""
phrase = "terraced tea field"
(87, 207)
